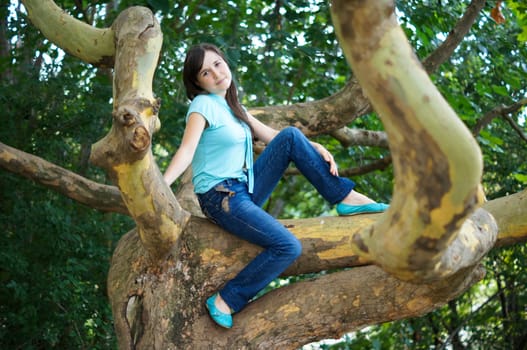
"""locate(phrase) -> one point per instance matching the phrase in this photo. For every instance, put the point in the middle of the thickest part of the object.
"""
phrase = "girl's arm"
(183, 157)
(262, 132)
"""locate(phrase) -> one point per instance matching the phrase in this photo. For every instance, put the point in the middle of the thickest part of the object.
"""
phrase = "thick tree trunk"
(162, 306)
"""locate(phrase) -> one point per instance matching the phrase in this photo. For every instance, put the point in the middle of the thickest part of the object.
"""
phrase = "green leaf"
(501, 90)
(521, 178)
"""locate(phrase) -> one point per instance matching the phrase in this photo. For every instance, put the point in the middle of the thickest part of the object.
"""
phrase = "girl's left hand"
(328, 157)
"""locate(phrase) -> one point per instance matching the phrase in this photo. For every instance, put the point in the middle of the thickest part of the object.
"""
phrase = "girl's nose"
(214, 73)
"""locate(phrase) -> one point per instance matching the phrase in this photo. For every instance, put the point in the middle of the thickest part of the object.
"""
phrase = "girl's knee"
(290, 135)
(291, 131)
(295, 248)
(289, 246)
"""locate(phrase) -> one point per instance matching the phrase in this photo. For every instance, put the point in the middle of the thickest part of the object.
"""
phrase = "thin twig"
(458, 328)
(504, 112)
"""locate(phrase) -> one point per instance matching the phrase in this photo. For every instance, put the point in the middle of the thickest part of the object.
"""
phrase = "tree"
(162, 271)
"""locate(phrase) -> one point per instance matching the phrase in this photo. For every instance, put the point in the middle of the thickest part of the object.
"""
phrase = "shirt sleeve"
(205, 106)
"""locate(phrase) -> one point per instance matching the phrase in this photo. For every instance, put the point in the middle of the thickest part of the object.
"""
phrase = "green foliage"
(54, 254)
(54, 260)
(491, 315)
(519, 8)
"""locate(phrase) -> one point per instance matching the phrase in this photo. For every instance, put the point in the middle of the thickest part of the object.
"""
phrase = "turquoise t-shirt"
(222, 148)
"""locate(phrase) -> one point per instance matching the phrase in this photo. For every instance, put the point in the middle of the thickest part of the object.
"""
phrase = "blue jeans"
(233, 208)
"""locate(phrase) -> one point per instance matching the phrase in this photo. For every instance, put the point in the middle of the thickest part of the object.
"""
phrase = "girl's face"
(215, 76)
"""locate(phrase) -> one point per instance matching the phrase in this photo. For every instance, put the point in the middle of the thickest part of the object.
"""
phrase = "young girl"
(231, 189)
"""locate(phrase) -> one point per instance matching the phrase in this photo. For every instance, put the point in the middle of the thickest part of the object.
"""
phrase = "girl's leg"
(230, 206)
(291, 145)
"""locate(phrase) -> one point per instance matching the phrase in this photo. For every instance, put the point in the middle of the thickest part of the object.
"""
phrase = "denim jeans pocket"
(207, 203)
(215, 202)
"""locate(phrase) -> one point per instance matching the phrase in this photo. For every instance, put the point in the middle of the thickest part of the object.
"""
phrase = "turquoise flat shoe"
(346, 209)
(222, 319)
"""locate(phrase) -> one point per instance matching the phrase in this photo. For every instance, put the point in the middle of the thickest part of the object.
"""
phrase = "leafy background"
(55, 253)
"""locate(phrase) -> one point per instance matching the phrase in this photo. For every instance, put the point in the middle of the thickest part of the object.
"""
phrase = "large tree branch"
(93, 194)
(125, 152)
(318, 117)
(510, 213)
(350, 137)
(327, 241)
(358, 298)
(90, 44)
(437, 183)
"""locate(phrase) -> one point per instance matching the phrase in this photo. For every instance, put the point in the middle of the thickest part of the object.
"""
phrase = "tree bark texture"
(95, 195)
(126, 153)
(162, 306)
(437, 183)
(90, 44)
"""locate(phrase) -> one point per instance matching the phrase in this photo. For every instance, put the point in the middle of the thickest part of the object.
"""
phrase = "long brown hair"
(191, 68)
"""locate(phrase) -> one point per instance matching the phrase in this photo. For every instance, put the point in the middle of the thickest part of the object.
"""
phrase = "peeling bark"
(173, 294)
(126, 153)
(95, 195)
(437, 183)
(318, 117)
(90, 44)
